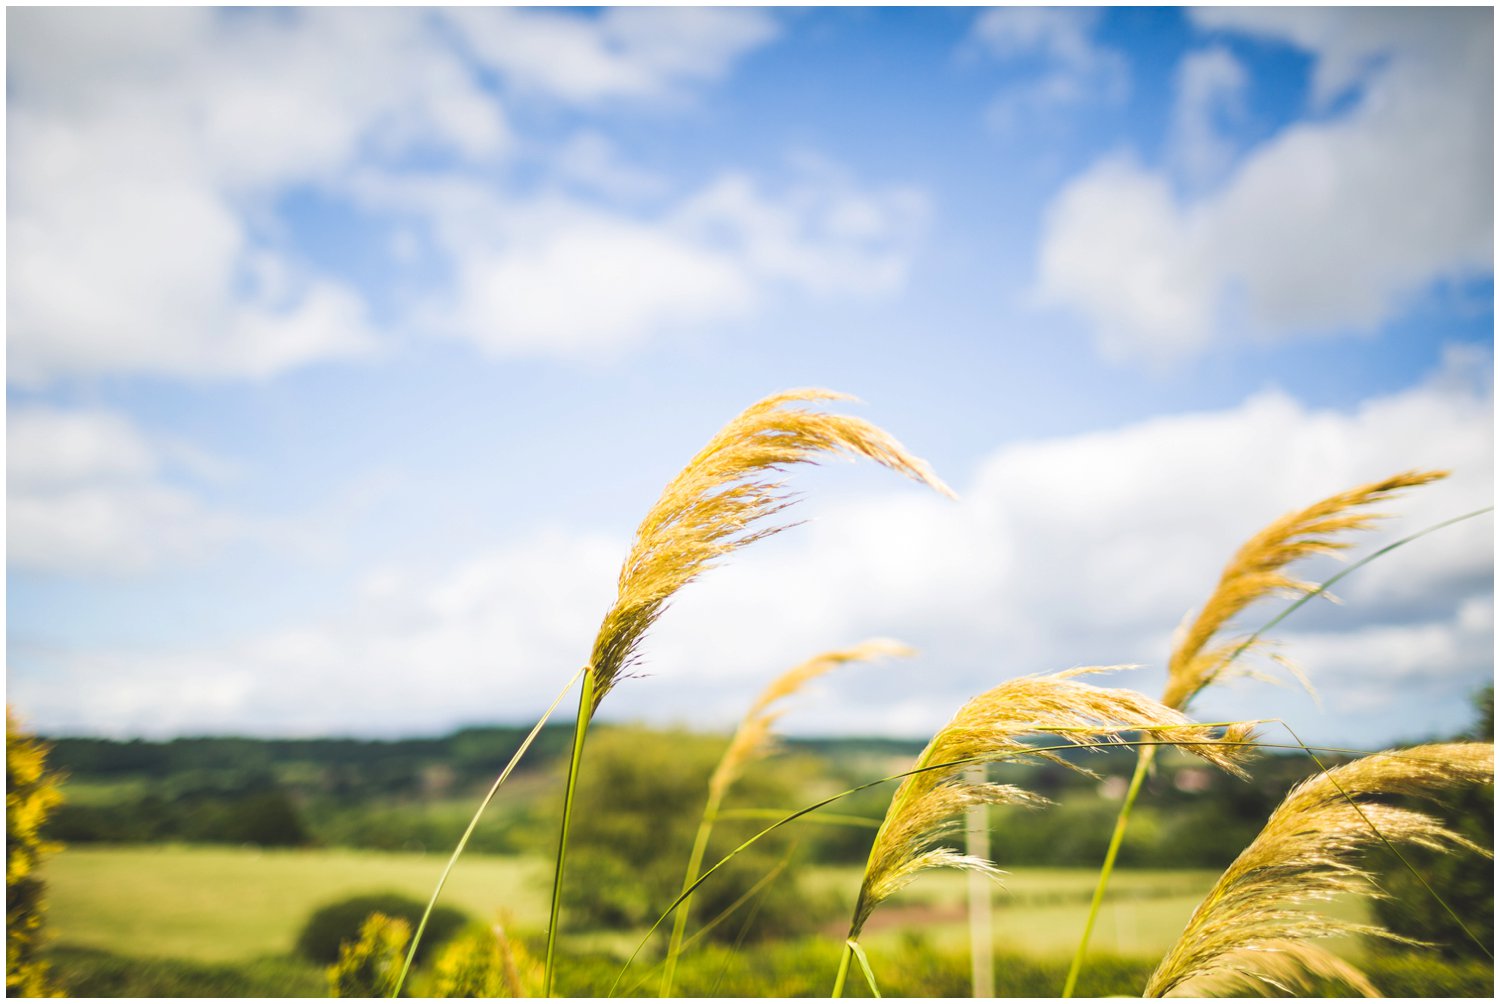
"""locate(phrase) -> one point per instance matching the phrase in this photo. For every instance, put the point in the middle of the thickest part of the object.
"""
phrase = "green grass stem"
(580, 730)
(864, 965)
(838, 981)
(463, 841)
(695, 864)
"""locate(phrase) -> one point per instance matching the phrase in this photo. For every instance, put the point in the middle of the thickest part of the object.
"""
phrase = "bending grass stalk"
(722, 500)
(463, 841)
(1147, 755)
(580, 730)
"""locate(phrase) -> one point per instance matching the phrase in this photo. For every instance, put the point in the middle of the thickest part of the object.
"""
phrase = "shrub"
(371, 965)
(485, 962)
(30, 794)
(332, 925)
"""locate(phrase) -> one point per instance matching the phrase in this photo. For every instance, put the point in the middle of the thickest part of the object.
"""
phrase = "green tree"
(30, 793)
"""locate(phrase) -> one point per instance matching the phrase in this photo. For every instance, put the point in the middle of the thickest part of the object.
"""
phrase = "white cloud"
(145, 150)
(1332, 225)
(560, 276)
(88, 493)
(1069, 67)
(1211, 85)
(625, 52)
(1077, 550)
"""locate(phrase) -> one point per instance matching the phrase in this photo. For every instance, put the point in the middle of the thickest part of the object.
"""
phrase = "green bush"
(332, 925)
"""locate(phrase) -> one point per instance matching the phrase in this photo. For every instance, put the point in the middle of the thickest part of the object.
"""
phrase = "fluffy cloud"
(1210, 87)
(1332, 225)
(1057, 44)
(152, 152)
(1078, 550)
(626, 53)
(147, 149)
(562, 276)
(89, 493)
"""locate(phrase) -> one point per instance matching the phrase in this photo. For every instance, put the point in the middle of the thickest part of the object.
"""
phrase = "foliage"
(30, 794)
(485, 962)
(253, 811)
(331, 926)
(370, 965)
(639, 802)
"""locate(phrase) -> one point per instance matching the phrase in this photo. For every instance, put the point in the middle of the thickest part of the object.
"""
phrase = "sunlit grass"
(216, 904)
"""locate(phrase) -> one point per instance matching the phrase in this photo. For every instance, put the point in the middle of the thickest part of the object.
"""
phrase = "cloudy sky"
(346, 349)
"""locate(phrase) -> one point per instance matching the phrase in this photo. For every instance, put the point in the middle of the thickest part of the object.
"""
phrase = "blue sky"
(346, 348)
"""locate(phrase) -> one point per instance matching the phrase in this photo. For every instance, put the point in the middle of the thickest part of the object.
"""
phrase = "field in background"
(216, 904)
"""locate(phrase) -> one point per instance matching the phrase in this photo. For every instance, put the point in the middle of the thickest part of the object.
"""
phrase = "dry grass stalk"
(993, 726)
(754, 740)
(720, 502)
(1253, 931)
(1257, 571)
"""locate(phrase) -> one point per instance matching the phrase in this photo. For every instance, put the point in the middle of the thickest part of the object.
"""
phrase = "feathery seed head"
(1256, 571)
(993, 726)
(1254, 929)
(721, 501)
(754, 739)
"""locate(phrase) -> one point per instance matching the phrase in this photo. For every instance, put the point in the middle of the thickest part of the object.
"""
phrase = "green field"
(224, 904)
(216, 904)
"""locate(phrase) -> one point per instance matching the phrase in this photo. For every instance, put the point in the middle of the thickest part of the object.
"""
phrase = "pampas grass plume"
(1257, 571)
(993, 726)
(1255, 930)
(722, 501)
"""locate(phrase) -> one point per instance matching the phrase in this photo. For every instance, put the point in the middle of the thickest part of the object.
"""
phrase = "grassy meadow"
(216, 904)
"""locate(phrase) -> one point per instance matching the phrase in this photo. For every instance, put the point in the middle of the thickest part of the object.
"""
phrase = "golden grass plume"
(1254, 930)
(754, 740)
(1257, 571)
(721, 502)
(994, 726)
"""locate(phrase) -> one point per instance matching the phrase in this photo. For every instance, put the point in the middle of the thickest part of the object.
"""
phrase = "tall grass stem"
(838, 981)
(580, 730)
(695, 864)
(1144, 758)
